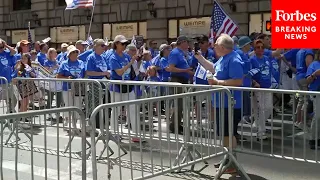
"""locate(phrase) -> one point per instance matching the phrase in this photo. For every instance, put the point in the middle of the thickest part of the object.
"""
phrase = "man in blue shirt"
(81, 45)
(304, 59)
(42, 55)
(152, 48)
(180, 72)
(7, 63)
(227, 71)
(63, 55)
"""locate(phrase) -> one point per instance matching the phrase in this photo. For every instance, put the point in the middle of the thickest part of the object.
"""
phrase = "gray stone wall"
(110, 11)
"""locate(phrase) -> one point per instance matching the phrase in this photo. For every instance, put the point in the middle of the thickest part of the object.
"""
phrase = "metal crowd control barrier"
(5, 106)
(44, 148)
(46, 93)
(165, 152)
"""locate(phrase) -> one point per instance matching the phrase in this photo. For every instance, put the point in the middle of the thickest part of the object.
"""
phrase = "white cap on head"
(71, 49)
(64, 45)
(120, 38)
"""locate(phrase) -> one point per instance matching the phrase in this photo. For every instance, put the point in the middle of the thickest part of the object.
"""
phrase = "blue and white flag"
(89, 41)
(201, 72)
(75, 4)
(134, 41)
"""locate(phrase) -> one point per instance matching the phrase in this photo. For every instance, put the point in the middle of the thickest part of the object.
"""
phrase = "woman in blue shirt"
(121, 69)
(97, 68)
(72, 68)
(52, 65)
(313, 79)
(262, 79)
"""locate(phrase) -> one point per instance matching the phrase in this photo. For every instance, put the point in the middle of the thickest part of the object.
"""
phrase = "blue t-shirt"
(68, 68)
(268, 53)
(118, 62)
(209, 55)
(154, 53)
(315, 85)
(275, 71)
(50, 64)
(7, 63)
(178, 59)
(291, 56)
(229, 67)
(62, 57)
(263, 77)
(17, 57)
(301, 62)
(164, 75)
(246, 67)
(106, 55)
(156, 61)
(84, 56)
(41, 58)
(96, 63)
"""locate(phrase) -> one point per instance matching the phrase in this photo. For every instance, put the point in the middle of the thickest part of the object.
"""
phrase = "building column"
(41, 7)
(157, 27)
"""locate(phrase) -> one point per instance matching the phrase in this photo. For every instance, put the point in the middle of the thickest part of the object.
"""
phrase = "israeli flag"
(274, 83)
(254, 71)
(90, 41)
(201, 72)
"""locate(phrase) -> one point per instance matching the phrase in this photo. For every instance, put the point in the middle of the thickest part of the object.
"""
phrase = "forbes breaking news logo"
(295, 24)
(297, 31)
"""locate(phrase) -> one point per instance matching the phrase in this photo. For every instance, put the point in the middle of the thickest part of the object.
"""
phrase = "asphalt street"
(45, 156)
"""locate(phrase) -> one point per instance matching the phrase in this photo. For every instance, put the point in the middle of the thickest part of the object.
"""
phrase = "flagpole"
(94, 5)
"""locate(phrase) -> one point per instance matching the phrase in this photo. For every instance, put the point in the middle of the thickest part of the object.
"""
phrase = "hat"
(173, 43)
(164, 46)
(82, 42)
(120, 38)
(98, 42)
(131, 46)
(182, 38)
(71, 49)
(235, 39)
(64, 45)
(25, 42)
(244, 40)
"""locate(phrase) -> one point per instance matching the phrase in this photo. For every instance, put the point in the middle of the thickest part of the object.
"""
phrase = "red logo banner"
(295, 24)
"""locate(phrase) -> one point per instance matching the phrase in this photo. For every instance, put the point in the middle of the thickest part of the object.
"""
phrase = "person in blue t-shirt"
(261, 79)
(313, 79)
(152, 48)
(207, 53)
(244, 48)
(304, 59)
(163, 72)
(227, 71)
(180, 72)
(121, 69)
(7, 63)
(72, 68)
(63, 55)
(81, 46)
(42, 55)
(97, 68)
(52, 66)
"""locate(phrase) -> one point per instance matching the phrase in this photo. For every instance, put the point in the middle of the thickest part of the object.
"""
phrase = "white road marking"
(297, 134)
(279, 121)
(267, 127)
(40, 171)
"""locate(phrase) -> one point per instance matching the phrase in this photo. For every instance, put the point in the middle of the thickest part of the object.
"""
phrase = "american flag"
(221, 22)
(29, 36)
(75, 4)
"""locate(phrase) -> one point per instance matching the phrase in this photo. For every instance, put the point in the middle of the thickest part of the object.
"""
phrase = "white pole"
(94, 5)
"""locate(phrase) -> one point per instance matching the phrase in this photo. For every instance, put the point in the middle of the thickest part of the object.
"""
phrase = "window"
(21, 5)
(258, 23)
(61, 2)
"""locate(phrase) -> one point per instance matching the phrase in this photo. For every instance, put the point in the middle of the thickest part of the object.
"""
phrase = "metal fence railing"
(39, 155)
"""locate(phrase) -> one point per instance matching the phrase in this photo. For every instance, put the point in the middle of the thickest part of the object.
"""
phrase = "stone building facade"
(48, 18)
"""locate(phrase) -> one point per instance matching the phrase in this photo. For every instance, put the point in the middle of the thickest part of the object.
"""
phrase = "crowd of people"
(229, 61)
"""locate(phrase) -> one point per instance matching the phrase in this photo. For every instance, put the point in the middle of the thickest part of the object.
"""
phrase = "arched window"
(21, 5)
